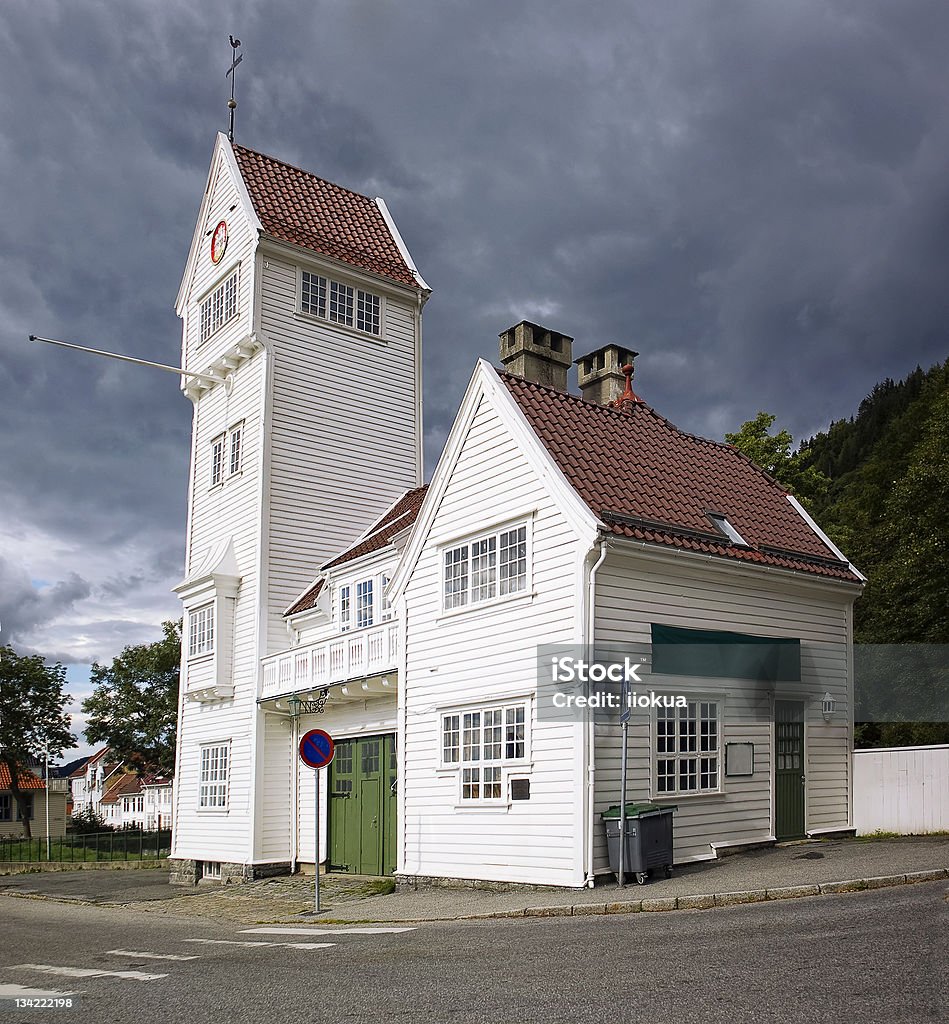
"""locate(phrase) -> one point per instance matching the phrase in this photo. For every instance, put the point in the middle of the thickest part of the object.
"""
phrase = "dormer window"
(725, 528)
(340, 303)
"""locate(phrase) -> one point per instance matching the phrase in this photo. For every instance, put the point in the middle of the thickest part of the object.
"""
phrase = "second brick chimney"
(537, 354)
(600, 374)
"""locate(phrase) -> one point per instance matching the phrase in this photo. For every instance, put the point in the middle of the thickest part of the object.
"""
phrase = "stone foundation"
(404, 882)
(188, 872)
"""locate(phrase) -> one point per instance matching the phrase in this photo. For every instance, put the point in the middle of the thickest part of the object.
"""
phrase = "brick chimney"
(600, 374)
(537, 354)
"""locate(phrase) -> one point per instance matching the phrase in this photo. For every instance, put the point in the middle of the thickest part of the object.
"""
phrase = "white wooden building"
(326, 588)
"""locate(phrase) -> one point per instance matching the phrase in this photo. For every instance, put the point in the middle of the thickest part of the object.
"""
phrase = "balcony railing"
(338, 659)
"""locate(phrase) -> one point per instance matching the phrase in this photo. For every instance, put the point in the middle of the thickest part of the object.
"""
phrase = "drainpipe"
(591, 750)
(295, 791)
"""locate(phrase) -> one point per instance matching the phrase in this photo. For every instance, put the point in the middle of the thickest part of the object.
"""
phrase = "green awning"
(721, 654)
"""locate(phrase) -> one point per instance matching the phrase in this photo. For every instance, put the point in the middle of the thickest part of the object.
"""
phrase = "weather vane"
(236, 58)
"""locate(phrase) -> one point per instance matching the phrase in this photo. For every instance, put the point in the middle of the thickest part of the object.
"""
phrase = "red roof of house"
(397, 517)
(124, 785)
(27, 779)
(648, 480)
(297, 207)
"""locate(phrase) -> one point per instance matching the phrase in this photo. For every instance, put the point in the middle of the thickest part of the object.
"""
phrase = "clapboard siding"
(633, 591)
(904, 790)
(486, 655)
(206, 275)
(274, 790)
(344, 436)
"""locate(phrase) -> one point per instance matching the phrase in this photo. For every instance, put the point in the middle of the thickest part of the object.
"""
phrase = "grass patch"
(380, 887)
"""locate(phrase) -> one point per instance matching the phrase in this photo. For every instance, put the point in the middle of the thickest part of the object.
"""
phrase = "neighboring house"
(157, 793)
(91, 781)
(325, 588)
(123, 803)
(39, 800)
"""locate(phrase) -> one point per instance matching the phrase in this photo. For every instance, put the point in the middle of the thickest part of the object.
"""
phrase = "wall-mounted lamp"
(828, 707)
(294, 705)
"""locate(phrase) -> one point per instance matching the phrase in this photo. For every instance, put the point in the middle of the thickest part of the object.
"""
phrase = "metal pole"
(48, 856)
(622, 808)
(131, 359)
(316, 840)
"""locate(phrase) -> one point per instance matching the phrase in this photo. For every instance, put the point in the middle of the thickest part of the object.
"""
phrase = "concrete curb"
(709, 901)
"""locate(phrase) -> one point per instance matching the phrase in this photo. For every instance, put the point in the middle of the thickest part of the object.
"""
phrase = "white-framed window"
(227, 454)
(220, 307)
(236, 448)
(364, 603)
(688, 748)
(8, 803)
(340, 303)
(387, 611)
(215, 765)
(485, 568)
(481, 743)
(201, 631)
(345, 608)
(211, 869)
(217, 459)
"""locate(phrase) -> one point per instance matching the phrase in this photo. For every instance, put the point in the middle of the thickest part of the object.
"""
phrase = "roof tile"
(298, 207)
(658, 482)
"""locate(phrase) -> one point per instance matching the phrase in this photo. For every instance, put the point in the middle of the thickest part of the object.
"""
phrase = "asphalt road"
(877, 956)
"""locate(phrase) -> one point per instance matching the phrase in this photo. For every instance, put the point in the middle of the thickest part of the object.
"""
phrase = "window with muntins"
(220, 307)
(217, 460)
(340, 303)
(235, 441)
(363, 603)
(687, 748)
(7, 804)
(201, 631)
(481, 743)
(214, 775)
(486, 568)
(227, 454)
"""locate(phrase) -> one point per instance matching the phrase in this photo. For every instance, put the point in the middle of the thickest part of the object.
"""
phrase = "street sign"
(317, 748)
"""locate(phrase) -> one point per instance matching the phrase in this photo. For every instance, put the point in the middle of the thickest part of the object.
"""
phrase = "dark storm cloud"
(752, 194)
(24, 605)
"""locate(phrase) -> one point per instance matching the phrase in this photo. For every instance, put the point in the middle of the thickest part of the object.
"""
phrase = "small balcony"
(338, 659)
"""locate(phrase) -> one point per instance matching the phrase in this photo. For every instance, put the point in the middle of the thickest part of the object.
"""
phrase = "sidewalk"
(797, 870)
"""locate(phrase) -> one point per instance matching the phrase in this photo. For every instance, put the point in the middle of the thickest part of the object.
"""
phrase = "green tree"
(134, 704)
(775, 454)
(33, 722)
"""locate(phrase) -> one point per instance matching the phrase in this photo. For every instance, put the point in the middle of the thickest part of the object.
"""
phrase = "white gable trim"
(486, 385)
(823, 536)
(222, 149)
(397, 238)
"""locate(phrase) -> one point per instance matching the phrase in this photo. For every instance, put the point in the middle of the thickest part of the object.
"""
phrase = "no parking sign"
(316, 751)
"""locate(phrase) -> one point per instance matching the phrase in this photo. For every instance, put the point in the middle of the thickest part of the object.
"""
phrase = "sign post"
(624, 718)
(316, 751)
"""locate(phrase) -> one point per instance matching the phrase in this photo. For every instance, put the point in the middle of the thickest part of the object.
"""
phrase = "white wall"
(901, 789)
(635, 590)
(485, 655)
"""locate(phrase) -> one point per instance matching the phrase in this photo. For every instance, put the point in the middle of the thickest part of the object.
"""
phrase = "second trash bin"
(648, 839)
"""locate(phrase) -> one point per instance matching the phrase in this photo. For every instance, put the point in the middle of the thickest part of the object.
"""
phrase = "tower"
(301, 296)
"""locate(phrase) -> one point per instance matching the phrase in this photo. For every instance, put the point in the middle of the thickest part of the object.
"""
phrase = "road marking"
(152, 956)
(86, 972)
(22, 992)
(288, 945)
(323, 931)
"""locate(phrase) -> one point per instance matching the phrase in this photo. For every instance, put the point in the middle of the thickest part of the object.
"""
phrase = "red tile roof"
(297, 207)
(648, 480)
(398, 517)
(27, 779)
(122, 786)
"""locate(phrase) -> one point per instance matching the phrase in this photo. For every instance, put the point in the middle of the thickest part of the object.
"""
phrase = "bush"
(87, 820)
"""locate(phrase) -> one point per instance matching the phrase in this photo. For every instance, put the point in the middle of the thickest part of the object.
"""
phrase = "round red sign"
(219, 242)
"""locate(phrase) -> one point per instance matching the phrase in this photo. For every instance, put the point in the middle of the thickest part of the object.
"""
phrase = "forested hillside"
(878, 484)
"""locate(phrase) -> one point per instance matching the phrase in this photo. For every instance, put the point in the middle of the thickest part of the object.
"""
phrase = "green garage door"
(362, 806)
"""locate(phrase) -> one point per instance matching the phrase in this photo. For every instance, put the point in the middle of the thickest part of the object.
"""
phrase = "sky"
(752, 194)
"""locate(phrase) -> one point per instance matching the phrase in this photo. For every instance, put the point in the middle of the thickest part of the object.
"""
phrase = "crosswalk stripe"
(86, 972)
(287, 945)
(22, 992)
(152, 956)
(323, 931)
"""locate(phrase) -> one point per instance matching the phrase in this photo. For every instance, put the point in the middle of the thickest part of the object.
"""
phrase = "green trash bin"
(648, 839)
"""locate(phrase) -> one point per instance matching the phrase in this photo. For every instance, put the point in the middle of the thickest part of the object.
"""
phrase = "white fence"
(901, 789)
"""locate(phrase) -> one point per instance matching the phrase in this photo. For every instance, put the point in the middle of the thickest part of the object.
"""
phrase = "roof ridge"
(302, 170)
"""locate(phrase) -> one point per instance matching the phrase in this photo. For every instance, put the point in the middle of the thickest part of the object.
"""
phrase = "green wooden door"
(789, 769)
(362, 806)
